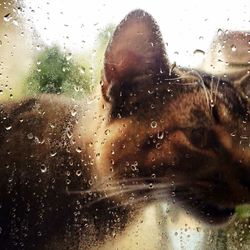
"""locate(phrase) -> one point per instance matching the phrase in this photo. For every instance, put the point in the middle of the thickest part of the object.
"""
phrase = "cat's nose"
(244, 176)
(237, 173)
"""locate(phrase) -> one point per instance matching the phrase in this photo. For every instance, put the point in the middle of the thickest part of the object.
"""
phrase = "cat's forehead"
(188, 108)
(174, 105)
(193, 103)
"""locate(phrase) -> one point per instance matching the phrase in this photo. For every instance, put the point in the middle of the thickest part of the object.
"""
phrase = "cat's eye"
(154, 141)
(199, 137)
(204, 138)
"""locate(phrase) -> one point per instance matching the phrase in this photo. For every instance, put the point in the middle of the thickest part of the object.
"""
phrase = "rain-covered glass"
(124, 124)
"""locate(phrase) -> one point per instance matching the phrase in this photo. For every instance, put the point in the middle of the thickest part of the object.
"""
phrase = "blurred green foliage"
(56, 71)
(243, 211)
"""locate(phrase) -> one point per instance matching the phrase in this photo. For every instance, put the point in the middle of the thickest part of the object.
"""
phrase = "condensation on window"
(124, 125)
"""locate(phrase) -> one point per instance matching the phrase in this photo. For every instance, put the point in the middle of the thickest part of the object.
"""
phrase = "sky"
(187, 26)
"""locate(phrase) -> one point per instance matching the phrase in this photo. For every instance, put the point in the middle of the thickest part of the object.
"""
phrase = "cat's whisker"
(216, 90)
(183, 76)
(132, 201)
(115, 193)
(186, 84)
(206, 92)
(132, 180)
(212, 90)
(156, 195)
(164, 188)
(139, 200)
(104, 180)
(117, 190)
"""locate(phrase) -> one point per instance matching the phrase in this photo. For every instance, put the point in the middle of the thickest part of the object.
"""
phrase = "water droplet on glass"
(78, 150)
(73, 112)
(37, 140)
(199, 52)
(212, 103)
(43, 168)
(219, 32)
(78, 172)
(69, 134)
(76, 88)
(8, 127)
(233, 48)
(150, 91)
(107, 131)
(30, 136)
(134, 166)
(53, 153)
(68, 57)
(7, 17)
(153, 124)
(160, 135)
(82, 70)
(233, 133)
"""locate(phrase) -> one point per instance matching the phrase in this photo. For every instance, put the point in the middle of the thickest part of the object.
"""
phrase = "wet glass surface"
(124, 125)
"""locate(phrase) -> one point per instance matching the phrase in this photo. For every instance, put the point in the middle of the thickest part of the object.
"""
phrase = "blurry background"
(39, 38)
(57, 46)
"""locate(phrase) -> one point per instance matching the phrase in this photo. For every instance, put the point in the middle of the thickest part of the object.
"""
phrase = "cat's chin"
(211, 213)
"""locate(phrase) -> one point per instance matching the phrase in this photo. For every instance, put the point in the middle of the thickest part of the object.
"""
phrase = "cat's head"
(170, 133)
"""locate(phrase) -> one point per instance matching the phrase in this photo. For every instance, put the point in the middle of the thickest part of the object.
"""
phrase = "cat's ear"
(135, 50)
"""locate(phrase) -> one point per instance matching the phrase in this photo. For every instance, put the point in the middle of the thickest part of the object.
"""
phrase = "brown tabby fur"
(73, 173)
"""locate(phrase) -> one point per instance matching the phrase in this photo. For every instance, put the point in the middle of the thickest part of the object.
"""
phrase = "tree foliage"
(56, 72)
